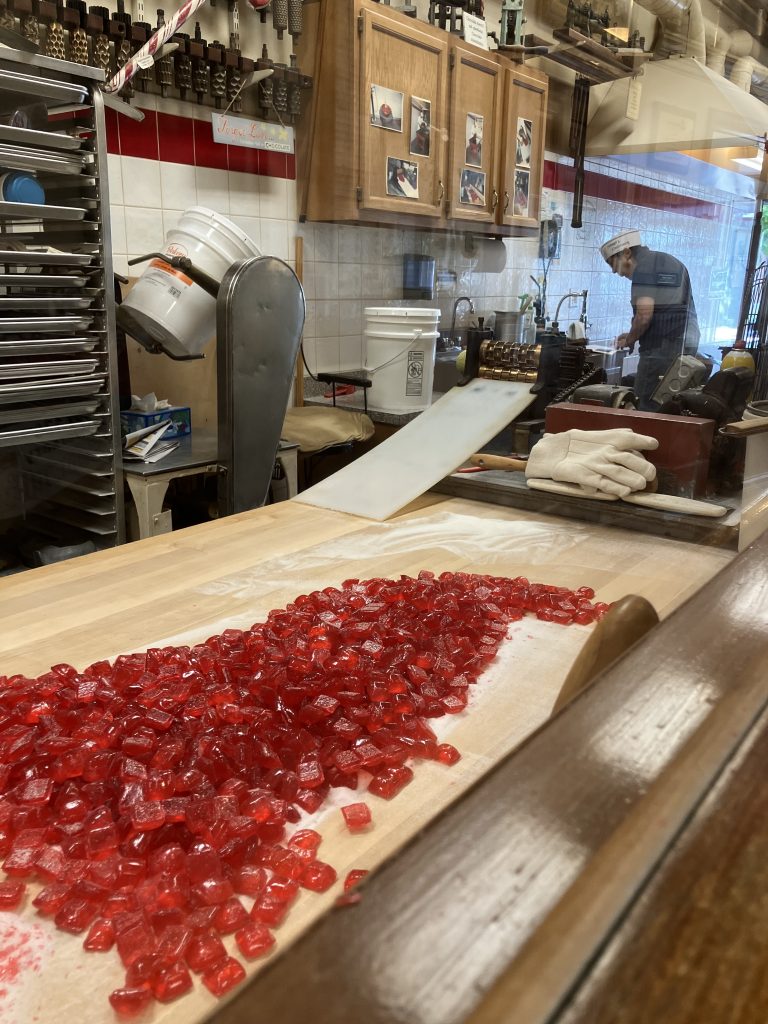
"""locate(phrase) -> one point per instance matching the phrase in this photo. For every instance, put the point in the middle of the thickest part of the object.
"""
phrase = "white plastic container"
(167, 303)
(400, 346)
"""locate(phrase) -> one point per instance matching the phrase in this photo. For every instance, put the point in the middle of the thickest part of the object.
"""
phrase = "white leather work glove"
(610, 461)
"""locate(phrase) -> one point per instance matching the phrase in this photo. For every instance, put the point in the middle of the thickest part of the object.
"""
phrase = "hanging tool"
(216, 63)
(182, 66)
(163, 65)
(280, 17)
(55, 45)
(29, 24)
(201, 72)
(577, 144)
(266, 86)
(95, 25)
(295, 18)
(73, 18)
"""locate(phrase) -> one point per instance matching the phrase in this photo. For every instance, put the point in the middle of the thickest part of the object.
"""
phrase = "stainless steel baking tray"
(43, 324)
(47, 346)
(43, 413)
(38, 211)
(42, 390)
(32, 257)
(22, 302)
(30, 137)
(48, 368)
(34, 435)
(42, 280)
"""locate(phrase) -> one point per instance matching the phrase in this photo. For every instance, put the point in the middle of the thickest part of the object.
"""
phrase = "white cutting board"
(408, 463)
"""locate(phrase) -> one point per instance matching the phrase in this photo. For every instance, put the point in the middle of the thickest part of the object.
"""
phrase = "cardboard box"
(179, 415)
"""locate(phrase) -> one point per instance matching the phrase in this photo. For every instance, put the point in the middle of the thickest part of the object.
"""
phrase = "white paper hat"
(626, 240)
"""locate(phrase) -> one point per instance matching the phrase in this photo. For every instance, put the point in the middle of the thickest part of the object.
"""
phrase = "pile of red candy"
(149, 795)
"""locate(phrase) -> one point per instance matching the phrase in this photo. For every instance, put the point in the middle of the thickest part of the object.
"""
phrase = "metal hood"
(682, 106)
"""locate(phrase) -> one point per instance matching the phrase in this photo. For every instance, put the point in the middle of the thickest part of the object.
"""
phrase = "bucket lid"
(404, 312)
(202, 213)
(22, 188)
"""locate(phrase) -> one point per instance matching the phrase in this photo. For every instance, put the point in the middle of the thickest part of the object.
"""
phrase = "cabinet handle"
(442, 191)
(506, 201)
(494, 200)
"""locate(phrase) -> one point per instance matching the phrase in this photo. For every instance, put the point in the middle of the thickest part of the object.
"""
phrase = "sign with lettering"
(251, 134)
(475, 30)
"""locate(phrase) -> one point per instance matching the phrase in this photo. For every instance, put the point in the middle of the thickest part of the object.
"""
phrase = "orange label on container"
(162, 265)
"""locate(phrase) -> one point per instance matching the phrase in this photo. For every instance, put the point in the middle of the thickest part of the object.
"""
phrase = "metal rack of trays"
(60, 465)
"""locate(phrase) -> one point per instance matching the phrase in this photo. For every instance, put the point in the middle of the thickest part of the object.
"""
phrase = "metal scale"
(259, 320)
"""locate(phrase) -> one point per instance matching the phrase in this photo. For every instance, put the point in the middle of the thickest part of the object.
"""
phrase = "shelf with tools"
(411, 125)
(59, 433)
(186, 66)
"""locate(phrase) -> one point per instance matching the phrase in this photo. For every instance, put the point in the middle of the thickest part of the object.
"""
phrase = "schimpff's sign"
(251, 134)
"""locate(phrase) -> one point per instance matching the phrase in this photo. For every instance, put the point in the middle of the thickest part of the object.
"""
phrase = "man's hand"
(597, 460)
(623, 342)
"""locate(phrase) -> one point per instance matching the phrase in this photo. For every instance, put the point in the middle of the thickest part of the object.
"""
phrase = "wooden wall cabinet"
(361, 158)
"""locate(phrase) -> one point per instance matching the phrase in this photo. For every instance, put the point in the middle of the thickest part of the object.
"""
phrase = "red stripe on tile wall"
(186, 140)
(560, 177)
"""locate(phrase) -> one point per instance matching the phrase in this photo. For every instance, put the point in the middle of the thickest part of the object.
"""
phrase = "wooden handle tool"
(759, 425)
(497, 462)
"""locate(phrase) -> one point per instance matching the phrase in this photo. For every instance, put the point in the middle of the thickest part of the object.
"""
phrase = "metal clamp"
(442, 190)
(494, 200)
(506, 201)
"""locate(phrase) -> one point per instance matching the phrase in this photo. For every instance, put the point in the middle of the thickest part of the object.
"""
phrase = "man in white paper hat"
(664, 317)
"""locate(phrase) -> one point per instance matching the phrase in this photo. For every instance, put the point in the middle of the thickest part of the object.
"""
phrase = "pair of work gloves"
(598, 461)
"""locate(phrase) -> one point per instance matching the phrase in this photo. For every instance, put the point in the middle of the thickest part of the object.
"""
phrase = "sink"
(446, 375)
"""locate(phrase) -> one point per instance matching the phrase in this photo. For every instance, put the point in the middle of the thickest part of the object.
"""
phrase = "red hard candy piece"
(75, 915)
(204, 950)
(101, 936)
(223, 976)
(285, 890)
(129, 1002)
(357, 817)
(230, 916)
(134, 941)
(254, 940)
(171, 983)
(318, 876)
(147, 815)
(269, 910)
(305, 839)
(353, 877)
(250, 880)
(389, 781)
(446, 754)
(11, 895)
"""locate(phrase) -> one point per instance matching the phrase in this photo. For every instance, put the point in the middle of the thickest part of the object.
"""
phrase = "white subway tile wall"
(347, 268)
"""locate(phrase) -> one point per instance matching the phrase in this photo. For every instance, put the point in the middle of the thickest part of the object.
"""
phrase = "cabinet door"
(525, 118)
(402, 126)
(475, 129)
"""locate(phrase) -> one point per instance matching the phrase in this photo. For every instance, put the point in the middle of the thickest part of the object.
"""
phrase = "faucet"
(461, 298)
(573, 295)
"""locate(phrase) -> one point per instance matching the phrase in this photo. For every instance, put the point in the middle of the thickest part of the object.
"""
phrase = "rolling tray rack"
(59, 417)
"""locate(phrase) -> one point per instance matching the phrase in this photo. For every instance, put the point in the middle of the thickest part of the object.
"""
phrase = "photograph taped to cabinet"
(524, 142)
(402, 178)
(421, 125)
(522, 191)
(386, 108)
(472, 188)
(474, 140)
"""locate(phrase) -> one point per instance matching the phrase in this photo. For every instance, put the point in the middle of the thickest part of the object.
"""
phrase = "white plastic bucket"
(167, 303)
(400, 346)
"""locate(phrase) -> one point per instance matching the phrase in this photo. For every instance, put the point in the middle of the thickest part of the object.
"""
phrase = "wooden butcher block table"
(445, 909)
